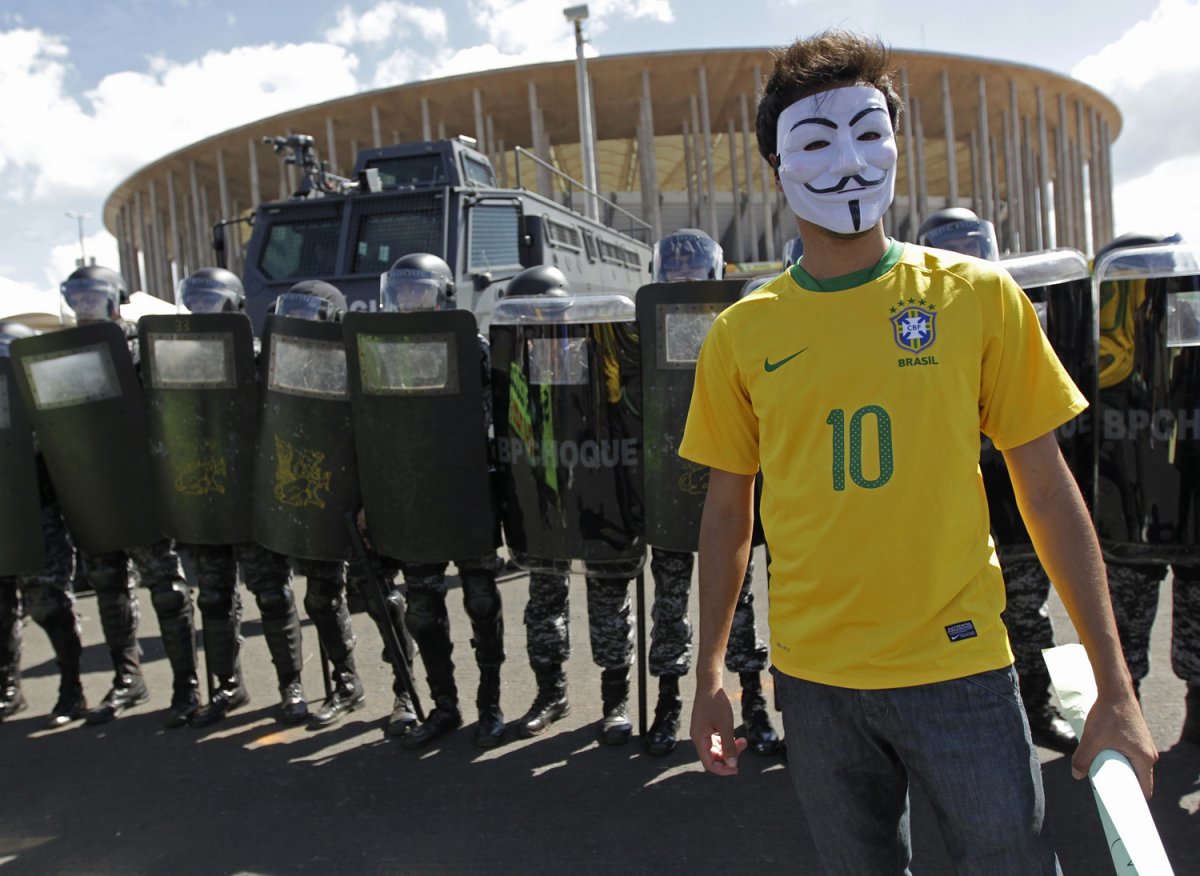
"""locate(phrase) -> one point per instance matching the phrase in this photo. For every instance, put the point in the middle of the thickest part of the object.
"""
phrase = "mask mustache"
(846, 180)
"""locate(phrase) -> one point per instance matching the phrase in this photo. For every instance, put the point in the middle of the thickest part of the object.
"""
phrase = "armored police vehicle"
(440, 197)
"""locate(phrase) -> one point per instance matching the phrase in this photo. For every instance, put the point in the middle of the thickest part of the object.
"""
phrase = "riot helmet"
(95, 293)
(792, 250)
(688, 254)
(538, 280)
(311, 299)
(416, 282)
(959, 230)
(1132, 239)
(11, 331)
(211, 290)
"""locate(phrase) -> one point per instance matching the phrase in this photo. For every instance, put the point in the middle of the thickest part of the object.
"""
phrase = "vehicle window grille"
(495, 237)
(412, 224)
(306, 248)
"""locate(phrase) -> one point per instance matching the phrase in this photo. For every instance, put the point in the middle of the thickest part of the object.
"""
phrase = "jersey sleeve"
(722, 430)
(1024, 390)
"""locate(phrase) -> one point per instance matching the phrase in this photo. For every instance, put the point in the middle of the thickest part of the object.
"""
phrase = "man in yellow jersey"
(859, 382)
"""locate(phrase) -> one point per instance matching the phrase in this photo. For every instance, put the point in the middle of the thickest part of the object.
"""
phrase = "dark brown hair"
(807, 66)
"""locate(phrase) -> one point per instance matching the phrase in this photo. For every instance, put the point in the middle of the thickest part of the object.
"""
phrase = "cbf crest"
(914, 325)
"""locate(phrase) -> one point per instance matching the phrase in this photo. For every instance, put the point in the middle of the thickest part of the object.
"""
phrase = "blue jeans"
(851, 754)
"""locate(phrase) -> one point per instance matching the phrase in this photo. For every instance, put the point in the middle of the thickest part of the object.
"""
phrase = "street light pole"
(587, 143)
(79, 217)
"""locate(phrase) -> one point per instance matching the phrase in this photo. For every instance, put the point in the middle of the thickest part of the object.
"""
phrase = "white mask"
(837, 158)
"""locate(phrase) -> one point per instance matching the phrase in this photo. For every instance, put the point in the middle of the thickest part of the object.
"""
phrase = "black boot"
(429, 625)
(173, 605)
(1048, 728)
(293, 708)
(441, 721)
(230, 694)
(1191, 722)
(127, 691)
(614, 693)
(281, 629)
(549, 705)
(347, 696)
(11, 698)
(761, 737)
(661, 738)
(63, 631)
(490, 731)
(403, 719)
(71, 705)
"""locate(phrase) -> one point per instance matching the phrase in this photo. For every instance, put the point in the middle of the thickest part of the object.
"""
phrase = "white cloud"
(100, 246)
(386, 21)
(82, 147)
(1159, 201)
(537, 29)
(1164, 43)
(1151, 73)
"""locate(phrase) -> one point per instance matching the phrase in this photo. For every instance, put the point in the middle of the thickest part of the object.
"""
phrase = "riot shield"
(20, 502)
(1148, 416)
(1058, 284)
(83, 395)
(673, 320)
(305, 477)
(565, 383)
(420, 428)
(201, 398)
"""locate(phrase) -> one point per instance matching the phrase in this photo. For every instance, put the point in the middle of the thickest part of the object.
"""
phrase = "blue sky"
(91, 91)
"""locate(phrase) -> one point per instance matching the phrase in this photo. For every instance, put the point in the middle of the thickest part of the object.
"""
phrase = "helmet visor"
(91, 299)
(973, 238)
(300, 306)
(687, 258)
(203, 295)
(407, 290)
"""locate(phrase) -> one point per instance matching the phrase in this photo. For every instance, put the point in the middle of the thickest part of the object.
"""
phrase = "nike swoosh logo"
(770, 366)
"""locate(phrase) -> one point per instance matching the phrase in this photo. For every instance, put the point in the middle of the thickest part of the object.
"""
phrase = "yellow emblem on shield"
(299, 480)
(203, 474)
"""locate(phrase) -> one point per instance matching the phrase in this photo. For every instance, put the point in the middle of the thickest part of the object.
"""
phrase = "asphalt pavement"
(248, 796)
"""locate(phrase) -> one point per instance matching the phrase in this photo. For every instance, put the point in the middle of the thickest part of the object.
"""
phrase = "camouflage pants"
(547, 620)
(46, 595)
(1135, 591)
(671, 632)
(1027, 615)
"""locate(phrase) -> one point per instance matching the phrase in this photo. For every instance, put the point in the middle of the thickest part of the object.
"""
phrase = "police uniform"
(268, 576)
(49, 600)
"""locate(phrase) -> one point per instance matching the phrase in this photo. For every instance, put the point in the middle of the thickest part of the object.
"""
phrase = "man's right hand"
(712, 732)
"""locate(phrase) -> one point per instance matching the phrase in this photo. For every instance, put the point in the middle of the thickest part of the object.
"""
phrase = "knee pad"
(426, 612)
(171, 600)
(481, 597)
(321, 602)
(277, 602)
(215, 602)
(47, 605)
(106, 577)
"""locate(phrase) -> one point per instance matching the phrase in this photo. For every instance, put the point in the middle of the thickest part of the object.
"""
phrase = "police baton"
(395, 638)
(641, 650)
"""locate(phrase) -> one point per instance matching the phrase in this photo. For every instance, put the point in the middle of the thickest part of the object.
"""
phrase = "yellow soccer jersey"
(863, 409)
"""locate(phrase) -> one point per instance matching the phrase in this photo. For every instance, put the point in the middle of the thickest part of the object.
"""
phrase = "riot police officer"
(1026, 584)
(423, 283)
(46, 594)
(266, 573)
(960, 230)
(1138, 486)
(325, 594)
(690, 254)
(95, 294)
(547, 615)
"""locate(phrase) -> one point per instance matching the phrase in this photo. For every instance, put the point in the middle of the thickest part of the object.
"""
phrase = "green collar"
(805, 280)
